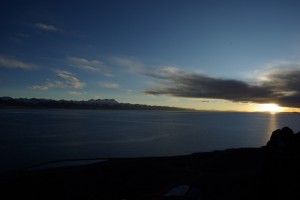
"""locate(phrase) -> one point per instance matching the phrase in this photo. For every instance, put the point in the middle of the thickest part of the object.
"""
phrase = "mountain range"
(103, 104)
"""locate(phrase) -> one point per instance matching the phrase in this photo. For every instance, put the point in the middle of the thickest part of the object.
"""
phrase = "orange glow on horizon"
(270, 107)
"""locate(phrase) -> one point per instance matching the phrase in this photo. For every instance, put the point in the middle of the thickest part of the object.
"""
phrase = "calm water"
(33, 136)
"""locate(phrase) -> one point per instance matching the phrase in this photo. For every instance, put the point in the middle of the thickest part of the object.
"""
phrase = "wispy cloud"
(132, 65)
(280, 86)
(19, 38)
(110, 85)
(64, 79)
(40, 87)
(13, 63)
(70, 80)
(89, 65)
(46, 27)
(74, 93)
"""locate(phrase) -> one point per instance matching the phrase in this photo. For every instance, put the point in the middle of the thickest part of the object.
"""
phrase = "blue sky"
(206, 54)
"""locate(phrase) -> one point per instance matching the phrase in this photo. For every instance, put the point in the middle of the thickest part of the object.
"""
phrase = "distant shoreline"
(92, 104)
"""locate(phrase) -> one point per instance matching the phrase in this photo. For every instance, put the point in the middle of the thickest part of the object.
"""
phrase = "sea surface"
(32, 136)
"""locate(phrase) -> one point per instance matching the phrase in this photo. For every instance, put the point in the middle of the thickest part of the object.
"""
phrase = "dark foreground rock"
(248, 173)
(284, 140)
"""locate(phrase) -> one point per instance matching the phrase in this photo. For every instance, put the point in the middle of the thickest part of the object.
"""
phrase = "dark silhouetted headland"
(285, 140)
(270, 172)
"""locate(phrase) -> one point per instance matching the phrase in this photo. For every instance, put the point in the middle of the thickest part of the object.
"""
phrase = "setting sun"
(270, 107)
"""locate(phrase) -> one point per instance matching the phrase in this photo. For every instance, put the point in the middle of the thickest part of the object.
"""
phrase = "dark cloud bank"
(281, 87)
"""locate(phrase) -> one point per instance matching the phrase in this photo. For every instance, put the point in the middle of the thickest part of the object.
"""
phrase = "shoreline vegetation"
(97, 104)
(269, 172)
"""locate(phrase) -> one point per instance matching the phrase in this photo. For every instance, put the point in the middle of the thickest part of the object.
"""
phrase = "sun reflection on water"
(273, 125)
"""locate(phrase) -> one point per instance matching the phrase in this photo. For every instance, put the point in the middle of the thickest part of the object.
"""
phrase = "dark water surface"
(30, 136)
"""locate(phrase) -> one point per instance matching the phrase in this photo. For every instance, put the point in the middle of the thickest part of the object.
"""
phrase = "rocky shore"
(269, 172)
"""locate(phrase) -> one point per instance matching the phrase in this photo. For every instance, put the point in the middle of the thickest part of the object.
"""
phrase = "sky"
(203, 54)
